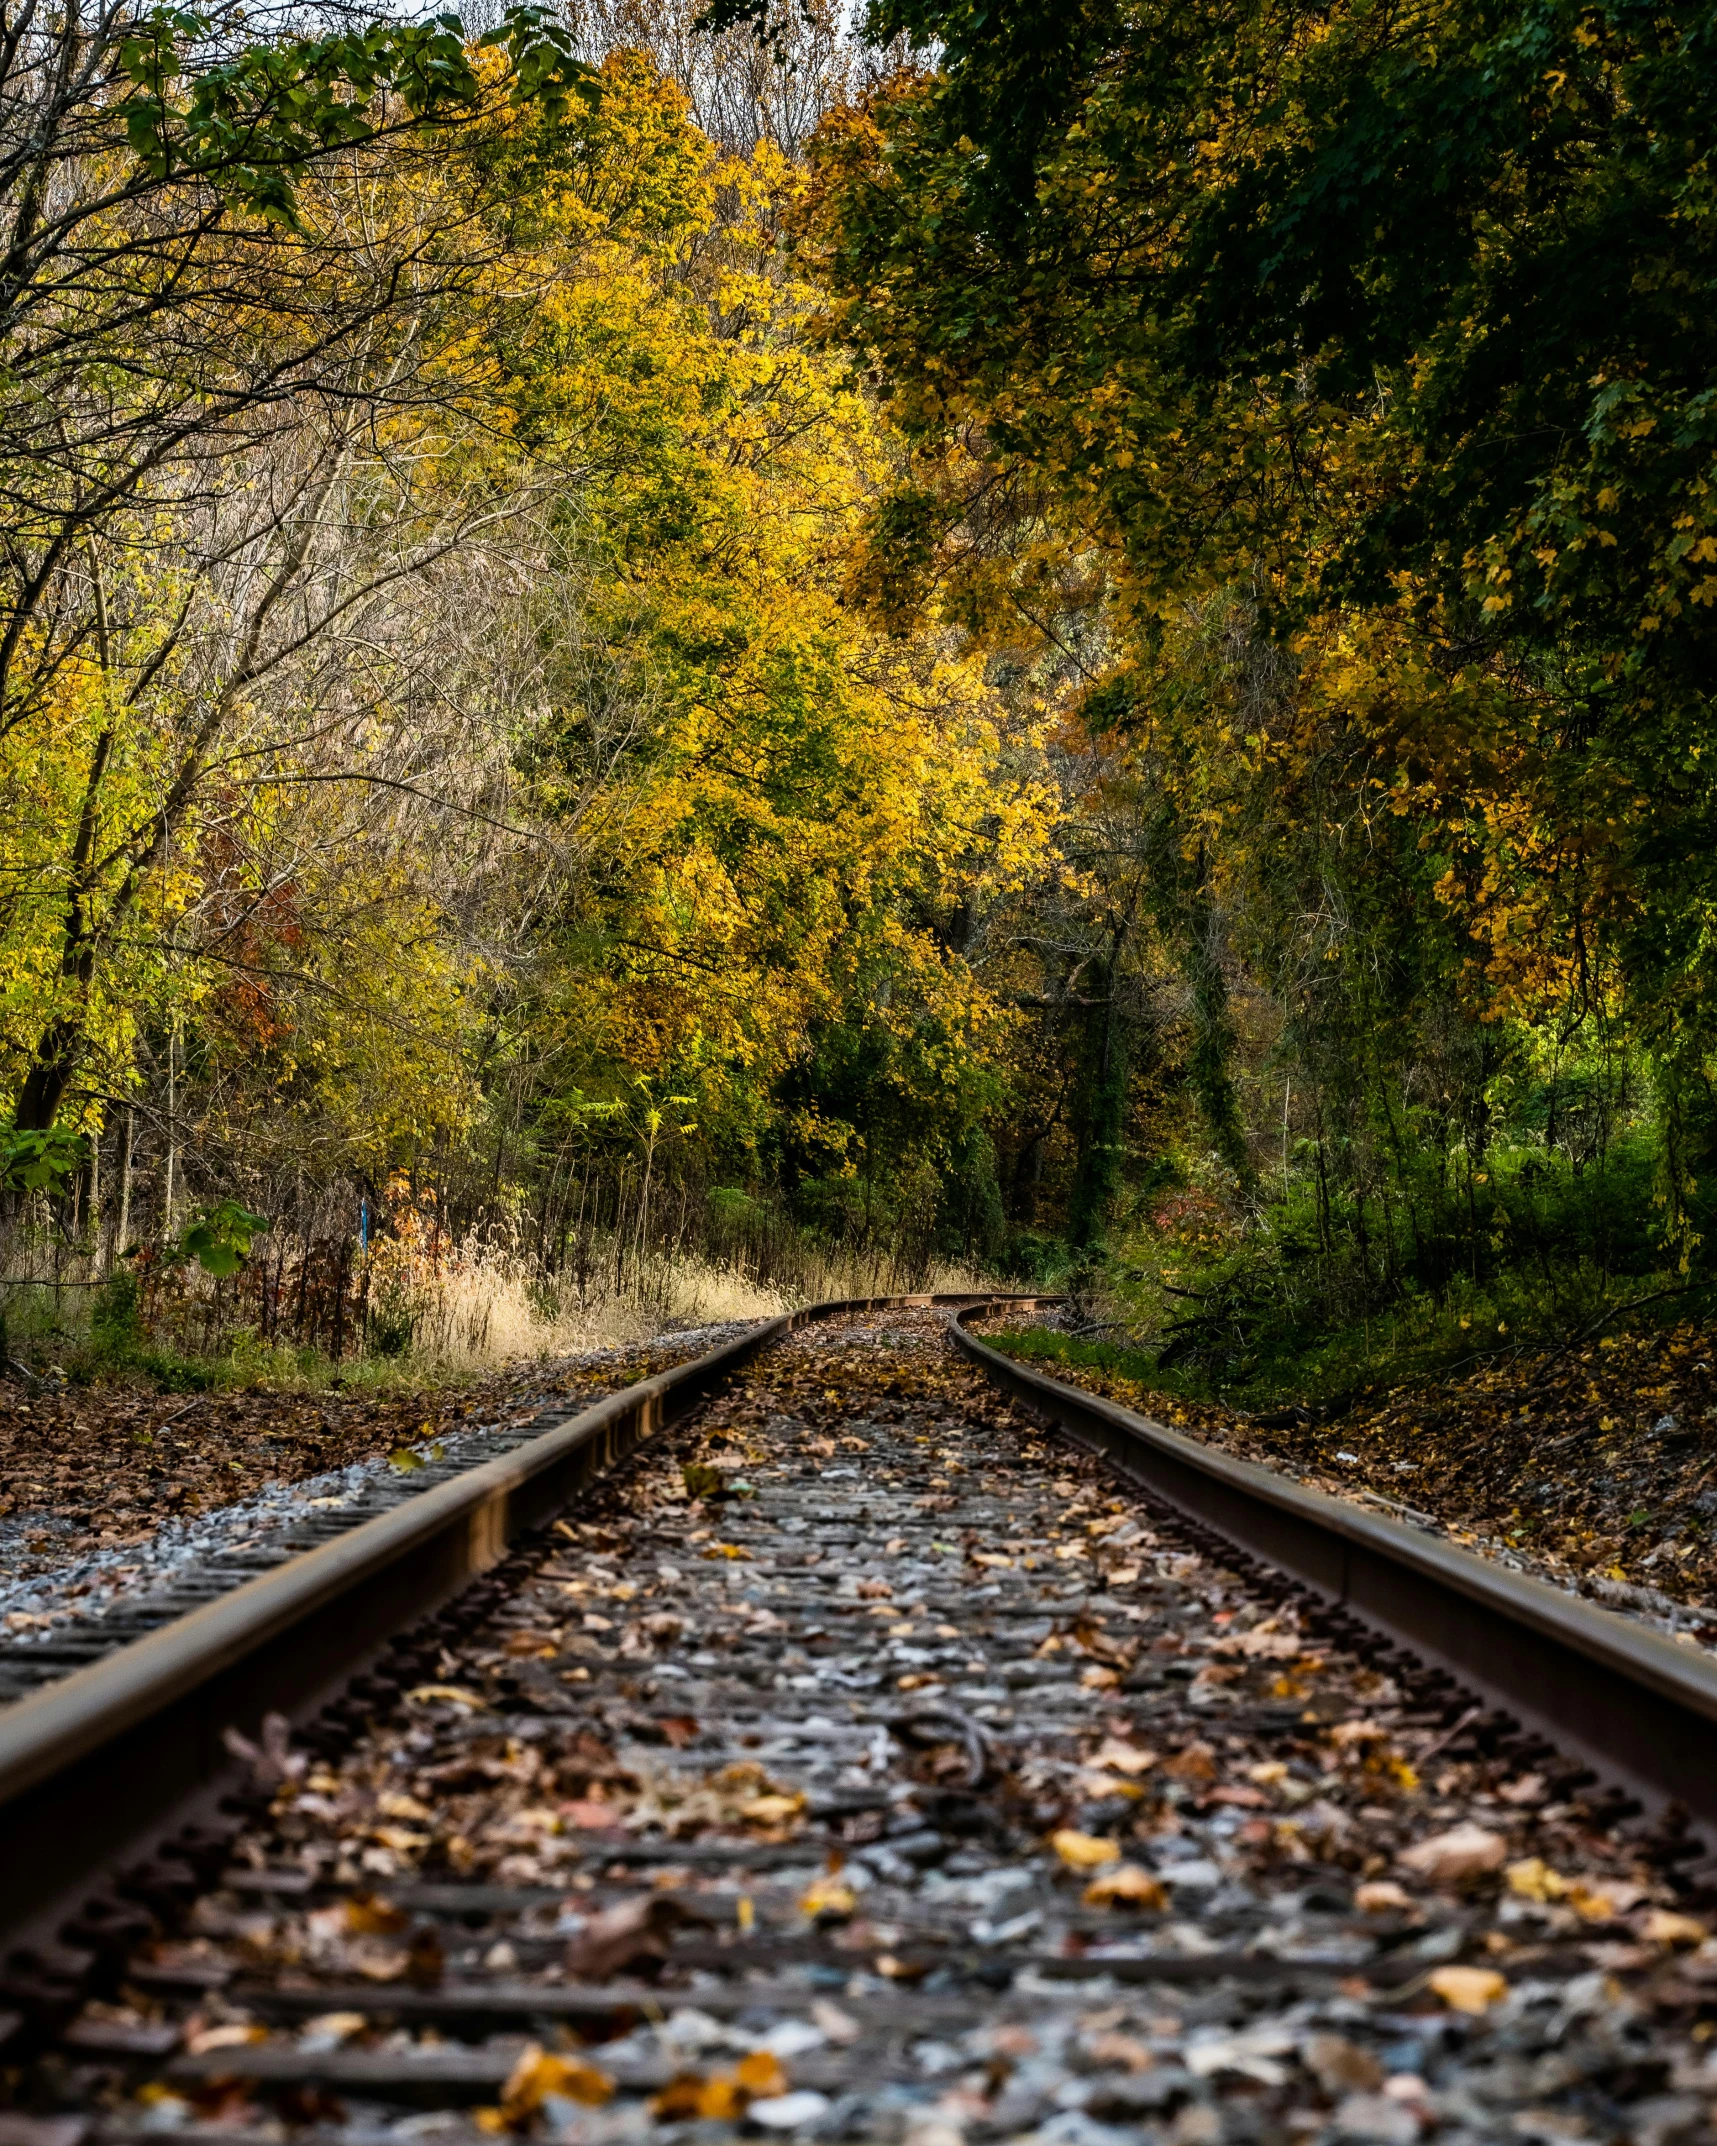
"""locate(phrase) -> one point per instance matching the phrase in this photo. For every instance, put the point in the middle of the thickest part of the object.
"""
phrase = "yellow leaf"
(772, 1810)
(761, 2074)
(537, 2074)
(447, 1694)
(1663, 1926)
(1083, 1851)
(828, 1896)
(1469, 1989)
(1126, 1885)
(1533, 1879)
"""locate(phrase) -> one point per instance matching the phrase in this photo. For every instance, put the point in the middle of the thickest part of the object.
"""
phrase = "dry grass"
(485, 1308)
(436, 1317)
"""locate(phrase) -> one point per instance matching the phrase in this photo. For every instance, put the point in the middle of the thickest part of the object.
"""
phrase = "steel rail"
(95, 1766)
(1638, 1709)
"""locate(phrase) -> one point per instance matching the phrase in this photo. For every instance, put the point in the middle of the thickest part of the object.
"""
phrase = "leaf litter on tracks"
(1314, 1915)
(1593, 1466)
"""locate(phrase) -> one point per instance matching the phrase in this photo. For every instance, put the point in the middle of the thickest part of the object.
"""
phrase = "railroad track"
(812, 1741)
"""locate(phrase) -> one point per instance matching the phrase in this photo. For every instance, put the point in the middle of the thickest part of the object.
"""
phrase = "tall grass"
(414, 1310)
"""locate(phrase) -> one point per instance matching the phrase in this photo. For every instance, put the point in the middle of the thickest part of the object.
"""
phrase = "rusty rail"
(1638, 1709)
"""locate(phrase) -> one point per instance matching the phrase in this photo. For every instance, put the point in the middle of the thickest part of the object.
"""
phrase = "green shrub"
(116, 1317)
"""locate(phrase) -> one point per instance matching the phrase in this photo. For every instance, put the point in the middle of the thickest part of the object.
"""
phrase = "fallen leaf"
(1126, 1884)
(1380, 1896)
(1465, 1851)
(366, 1916)
(1604, 1899)
(1662, 1926)
(771, 1810)
(329, 2029)
(1468, 1989)
(399, 1839)
(1195, 1763)
(393, 1805)
(1083, 1851)
(537, 2074)
(840, 2027)
(1340, 2066)
(1533, 1879)
(681, 2099)
(761, 2073)
(235, 2036)
(586, 1815)
(634, 1935)
(827, 1896)
(1265, 1643)
(1122, 2049)
(537, 1644)
(447, 1694)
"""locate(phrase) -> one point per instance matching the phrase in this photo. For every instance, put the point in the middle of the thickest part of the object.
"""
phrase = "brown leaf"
(368, 1916)
(631, 1938)
(1195, 1763)
(1340, 2066)
(1464, 1851)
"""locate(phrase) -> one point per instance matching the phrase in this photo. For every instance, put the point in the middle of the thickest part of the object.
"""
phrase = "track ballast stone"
(863, 1762)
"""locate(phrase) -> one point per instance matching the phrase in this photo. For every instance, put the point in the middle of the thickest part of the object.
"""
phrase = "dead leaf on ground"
(1464, 1851)
(1119, 1756)
(1127, 1885)
(827, 1896)
(1122, 2049)
(539, 2074)
(1468, 1989)
(1195, 1763)
(1340, 2066)
(633, 1937)
(369, 1916)
(1083, 1851)
(1662, 1926)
